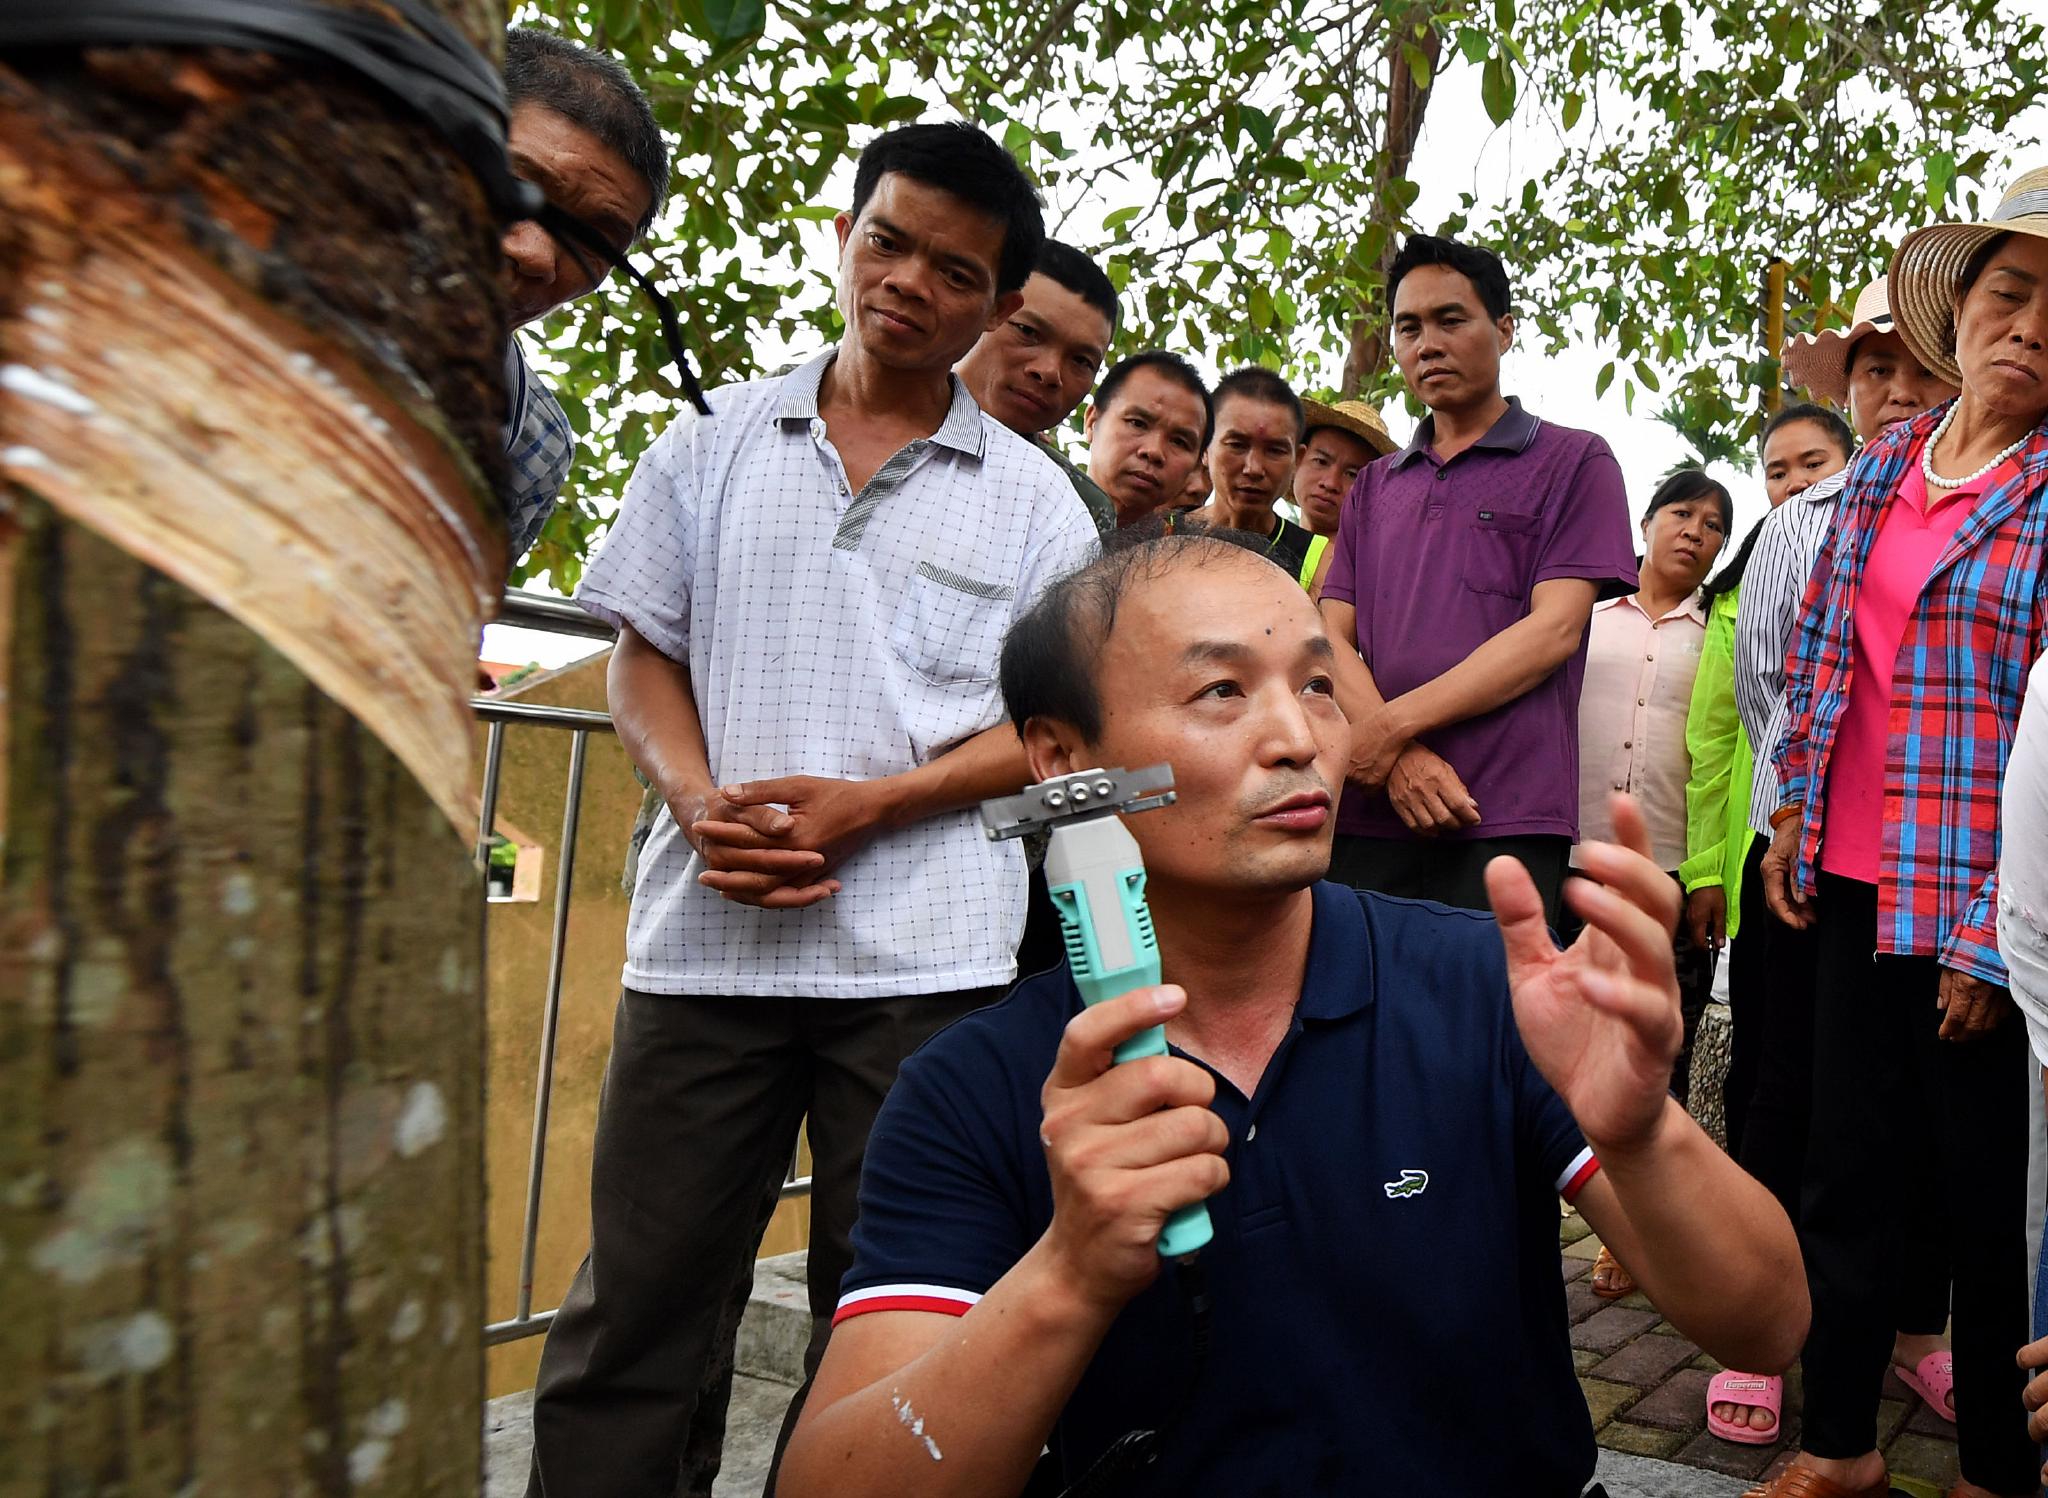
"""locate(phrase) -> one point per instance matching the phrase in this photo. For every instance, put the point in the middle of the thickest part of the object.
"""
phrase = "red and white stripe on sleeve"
(1575, 1175)
(944, 1299)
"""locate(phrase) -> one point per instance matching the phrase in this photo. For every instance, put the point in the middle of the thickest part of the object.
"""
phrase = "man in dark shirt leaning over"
(1032, 369)
(1378, 1097)
(1252, 451)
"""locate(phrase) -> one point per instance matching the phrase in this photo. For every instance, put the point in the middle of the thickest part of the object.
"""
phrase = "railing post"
(544, 1082)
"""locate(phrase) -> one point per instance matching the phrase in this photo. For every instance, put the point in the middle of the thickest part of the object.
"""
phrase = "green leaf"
(1574, 105)
(1258, 124)
(1418, 64)
(1605, 379)
(1941, 176)
(726, 22)
(1497, 89)
(1112, 222)
(1260, 305)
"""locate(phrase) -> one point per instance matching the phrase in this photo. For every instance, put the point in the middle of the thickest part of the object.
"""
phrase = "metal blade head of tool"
(1076, 798)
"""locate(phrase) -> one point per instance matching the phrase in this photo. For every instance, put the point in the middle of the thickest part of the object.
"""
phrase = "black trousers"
(1880, 1076)
(1772, 979)
(1770, 1064)
(1449, 870)
(695, 1127)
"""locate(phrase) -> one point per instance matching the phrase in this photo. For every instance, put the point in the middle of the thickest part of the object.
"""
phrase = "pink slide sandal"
(1757, 1390)
(1932, 1381)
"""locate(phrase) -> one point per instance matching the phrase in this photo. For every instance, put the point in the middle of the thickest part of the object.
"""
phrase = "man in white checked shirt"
(812, 586)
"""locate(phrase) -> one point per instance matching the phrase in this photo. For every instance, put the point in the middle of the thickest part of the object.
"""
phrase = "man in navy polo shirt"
(1377, 1097)
(1464, 572)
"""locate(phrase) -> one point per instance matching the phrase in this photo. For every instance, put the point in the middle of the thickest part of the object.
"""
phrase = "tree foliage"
(1243, 169)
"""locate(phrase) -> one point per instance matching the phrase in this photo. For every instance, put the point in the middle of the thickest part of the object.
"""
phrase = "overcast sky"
(1460, 151)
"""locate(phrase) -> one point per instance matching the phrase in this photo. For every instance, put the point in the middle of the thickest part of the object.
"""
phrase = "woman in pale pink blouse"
(1642, 652)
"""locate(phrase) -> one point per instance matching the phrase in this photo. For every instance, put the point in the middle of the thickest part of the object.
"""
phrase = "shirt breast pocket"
(1500, 552)
(949, 629)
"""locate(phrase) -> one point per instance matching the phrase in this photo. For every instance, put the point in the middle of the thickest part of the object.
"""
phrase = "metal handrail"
(544, 611)
(558, 615)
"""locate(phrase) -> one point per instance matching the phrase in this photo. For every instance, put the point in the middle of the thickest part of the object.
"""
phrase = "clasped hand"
(774, 843)
(1425, 792)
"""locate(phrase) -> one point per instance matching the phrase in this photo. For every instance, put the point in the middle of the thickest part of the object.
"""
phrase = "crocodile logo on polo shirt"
(1411, 1183)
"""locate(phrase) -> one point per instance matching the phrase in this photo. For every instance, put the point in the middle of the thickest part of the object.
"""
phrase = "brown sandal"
(1620, 1282)
(1804, 1482)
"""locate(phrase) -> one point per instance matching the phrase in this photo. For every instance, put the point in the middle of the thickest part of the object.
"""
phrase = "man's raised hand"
(1601, 1018)
(1126, 1146)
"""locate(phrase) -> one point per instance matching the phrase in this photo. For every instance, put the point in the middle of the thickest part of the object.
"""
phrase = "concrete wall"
(534, 776)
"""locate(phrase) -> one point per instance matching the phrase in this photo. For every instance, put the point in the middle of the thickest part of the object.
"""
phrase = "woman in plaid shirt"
(1904, 685)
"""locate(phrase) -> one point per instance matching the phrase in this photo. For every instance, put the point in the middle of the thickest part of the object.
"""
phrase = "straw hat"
(1355, 417)
(1928, 269)
(1820, 361)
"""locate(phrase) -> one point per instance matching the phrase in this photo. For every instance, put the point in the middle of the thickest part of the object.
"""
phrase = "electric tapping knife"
(1097, 881)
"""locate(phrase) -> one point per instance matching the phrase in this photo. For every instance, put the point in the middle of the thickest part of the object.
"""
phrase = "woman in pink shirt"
(1904, 681)
(1642, 651)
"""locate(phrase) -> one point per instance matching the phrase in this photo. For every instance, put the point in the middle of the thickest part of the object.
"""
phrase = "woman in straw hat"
(1906, 673)
(1341, 439)
(1868, 370)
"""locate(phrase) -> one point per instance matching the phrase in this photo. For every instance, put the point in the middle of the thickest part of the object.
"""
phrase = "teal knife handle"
(1188, 1229)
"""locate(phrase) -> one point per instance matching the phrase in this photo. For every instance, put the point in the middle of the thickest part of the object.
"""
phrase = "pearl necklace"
(1935, 480)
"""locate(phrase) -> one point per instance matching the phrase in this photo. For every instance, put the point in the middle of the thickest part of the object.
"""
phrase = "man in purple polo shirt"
(1465, 570)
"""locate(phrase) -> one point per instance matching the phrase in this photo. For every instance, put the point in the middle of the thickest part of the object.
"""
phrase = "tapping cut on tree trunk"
(250, 334)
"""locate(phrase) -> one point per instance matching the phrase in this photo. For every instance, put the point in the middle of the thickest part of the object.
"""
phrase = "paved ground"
(1646, 1388)
(752, 1423)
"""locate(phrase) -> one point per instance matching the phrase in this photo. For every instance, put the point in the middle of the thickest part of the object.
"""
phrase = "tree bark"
(249, 331)
(1407, 101)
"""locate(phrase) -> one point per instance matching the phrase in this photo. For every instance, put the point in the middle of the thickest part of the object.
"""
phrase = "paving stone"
(1584, 1359)
(1891, 1419)
(1913, 1487)
(1924, 1458)
(1640, 1440)
(1572, 1268)
(1606, 1329)
(1627, 1476)
(1580, 1302)
(1647, 1361)
(1707, 1361)
(1922, 1420)
(1587, 1247)
(1717, 1455)
(1680, 1403)
(1605, 1400)
(1573, 1228)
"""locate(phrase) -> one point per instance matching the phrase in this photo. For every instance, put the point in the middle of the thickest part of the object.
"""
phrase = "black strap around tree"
(425, 63)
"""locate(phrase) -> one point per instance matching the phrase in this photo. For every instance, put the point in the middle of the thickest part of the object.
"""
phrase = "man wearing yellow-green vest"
(1342, 438)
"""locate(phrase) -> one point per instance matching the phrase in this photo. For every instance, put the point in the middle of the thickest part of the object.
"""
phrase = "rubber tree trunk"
(1366, 347)
(248, 410)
